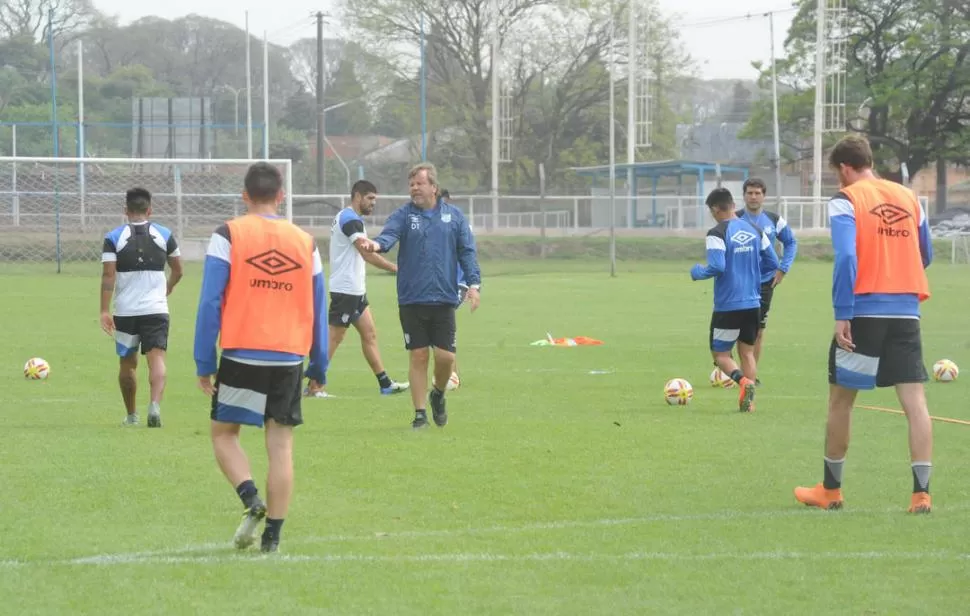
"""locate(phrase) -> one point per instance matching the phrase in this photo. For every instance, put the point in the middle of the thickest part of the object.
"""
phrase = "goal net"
(56, 210)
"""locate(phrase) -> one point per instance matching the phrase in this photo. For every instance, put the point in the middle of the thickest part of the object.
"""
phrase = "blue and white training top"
(434, 243)
(735, 251)
(776, 228)
(348, 271)
(140, 251)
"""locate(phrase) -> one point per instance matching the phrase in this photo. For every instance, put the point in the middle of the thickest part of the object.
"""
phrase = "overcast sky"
(722, 50)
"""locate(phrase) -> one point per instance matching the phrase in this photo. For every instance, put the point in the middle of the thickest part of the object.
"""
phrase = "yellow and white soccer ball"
(36, 369)
(720, 379)
(453, 382)
(678, 392)
(945, 371)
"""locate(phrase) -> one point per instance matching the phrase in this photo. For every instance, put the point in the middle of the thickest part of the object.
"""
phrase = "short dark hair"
(138, 200)
(362, 187)
(720, 199)
(852, 150)
(755, 183)
(445, 194)
(263, 182)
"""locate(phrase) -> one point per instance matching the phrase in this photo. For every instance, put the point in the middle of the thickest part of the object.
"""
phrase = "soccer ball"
(678, 392)
(945, 371)
(36, 369)
(453, 382)
(719, 379)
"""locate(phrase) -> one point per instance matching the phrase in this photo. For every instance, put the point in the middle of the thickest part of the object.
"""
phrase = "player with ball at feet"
(735, 251)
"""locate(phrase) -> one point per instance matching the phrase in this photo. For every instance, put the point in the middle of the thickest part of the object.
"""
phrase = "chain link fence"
(58, 210)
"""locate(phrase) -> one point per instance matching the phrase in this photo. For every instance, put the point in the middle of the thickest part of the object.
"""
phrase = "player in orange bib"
(882, 245)
(264, 298)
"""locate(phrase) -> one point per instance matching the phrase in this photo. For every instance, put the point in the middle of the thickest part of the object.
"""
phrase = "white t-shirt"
(348, 271)
(140, 252)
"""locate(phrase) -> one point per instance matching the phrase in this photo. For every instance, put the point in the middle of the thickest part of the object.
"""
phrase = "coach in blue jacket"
(435, 239)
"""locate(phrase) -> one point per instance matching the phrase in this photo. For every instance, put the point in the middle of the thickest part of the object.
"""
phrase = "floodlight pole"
(819, 114)
(612, 72)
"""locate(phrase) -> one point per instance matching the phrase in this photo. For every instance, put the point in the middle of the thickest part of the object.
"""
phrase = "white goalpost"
(58, 209)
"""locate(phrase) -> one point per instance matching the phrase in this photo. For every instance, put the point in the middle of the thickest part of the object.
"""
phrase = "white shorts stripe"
(242, 398)
(726, 335)
(129, 341)
(854, 362)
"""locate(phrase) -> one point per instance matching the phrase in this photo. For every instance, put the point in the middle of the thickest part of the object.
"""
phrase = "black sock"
(420, 413)
(736, 376)
(272, 530)
(921, 476)
(247, 493)
(437, 393)
(384, 380)
(832, 479)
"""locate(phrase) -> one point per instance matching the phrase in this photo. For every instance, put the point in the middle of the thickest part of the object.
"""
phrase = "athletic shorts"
(734, 326)
(462, 292)
(346, 309)
(249, 395)
(767, 291)
(149, 330)
(428, 325)
(888, 352)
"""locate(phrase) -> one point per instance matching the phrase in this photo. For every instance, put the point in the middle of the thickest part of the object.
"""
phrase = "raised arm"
(208, 319)
(842, 224)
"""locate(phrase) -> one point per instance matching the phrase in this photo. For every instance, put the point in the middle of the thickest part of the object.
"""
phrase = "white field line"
(185, 554)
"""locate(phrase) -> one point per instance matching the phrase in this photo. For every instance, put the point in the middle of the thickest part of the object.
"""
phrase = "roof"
(659, 168)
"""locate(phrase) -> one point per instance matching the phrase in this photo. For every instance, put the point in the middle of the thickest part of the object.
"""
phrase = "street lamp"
(330, 145)
(235, 94)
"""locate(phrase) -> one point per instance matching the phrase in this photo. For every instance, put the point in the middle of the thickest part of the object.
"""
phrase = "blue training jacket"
(433, 245)
(776, 228)
(737, 254)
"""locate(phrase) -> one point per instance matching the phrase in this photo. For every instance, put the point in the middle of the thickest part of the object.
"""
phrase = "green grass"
(552, 490)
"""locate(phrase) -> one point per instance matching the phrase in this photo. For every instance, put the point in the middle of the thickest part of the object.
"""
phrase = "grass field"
(562, 485)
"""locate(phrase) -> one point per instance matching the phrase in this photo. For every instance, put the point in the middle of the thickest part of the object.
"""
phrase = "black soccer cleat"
(420, 421)
(438, 410)
(269, 546)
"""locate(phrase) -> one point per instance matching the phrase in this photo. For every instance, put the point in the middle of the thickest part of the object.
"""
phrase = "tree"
(555, 56)
(353, 118)
(908, 62)
(32, 18)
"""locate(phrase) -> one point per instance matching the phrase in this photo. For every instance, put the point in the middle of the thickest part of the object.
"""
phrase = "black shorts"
(767, 291)
(428, 325)
(248, 394)
(734, 326)
(150, 331)
(888, 352)
(346, 309)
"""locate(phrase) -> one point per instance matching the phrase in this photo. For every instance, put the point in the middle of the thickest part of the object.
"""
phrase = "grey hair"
(431, 170)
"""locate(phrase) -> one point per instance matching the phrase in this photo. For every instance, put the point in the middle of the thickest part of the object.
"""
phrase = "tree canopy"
(908, 73)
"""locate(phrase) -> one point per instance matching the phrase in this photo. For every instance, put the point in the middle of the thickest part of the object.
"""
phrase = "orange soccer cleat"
(818, 496)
